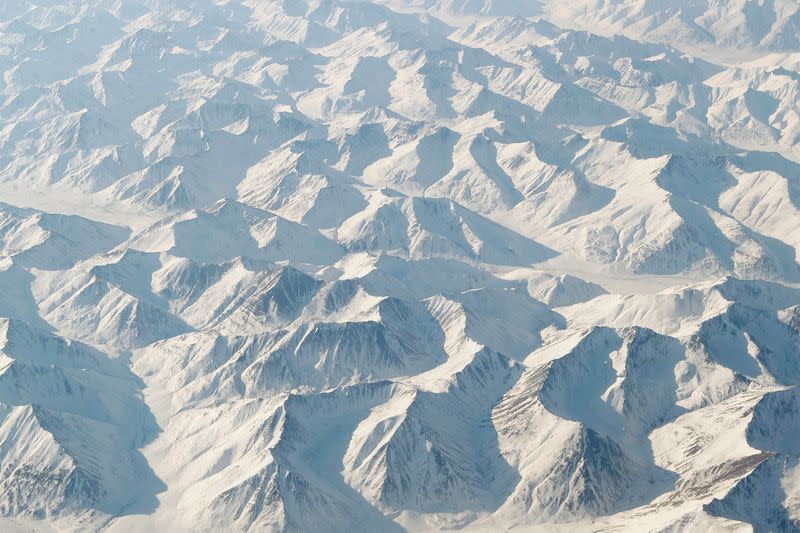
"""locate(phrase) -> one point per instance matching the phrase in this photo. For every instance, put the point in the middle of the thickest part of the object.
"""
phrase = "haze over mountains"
(404, 265)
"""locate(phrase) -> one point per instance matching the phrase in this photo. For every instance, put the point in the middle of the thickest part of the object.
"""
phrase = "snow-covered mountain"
(400, 265)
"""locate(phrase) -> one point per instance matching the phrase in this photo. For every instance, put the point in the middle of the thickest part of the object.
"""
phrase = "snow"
(399, 265)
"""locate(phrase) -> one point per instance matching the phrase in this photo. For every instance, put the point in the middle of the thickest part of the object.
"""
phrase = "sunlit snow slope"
(403, 265)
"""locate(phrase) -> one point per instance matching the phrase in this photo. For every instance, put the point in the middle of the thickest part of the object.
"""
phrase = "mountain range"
(400, 265)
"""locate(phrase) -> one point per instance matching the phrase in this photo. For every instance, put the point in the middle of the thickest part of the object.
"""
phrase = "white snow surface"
(399, 265)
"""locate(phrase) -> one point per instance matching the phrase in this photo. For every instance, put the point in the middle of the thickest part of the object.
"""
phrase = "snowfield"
(400, 265)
